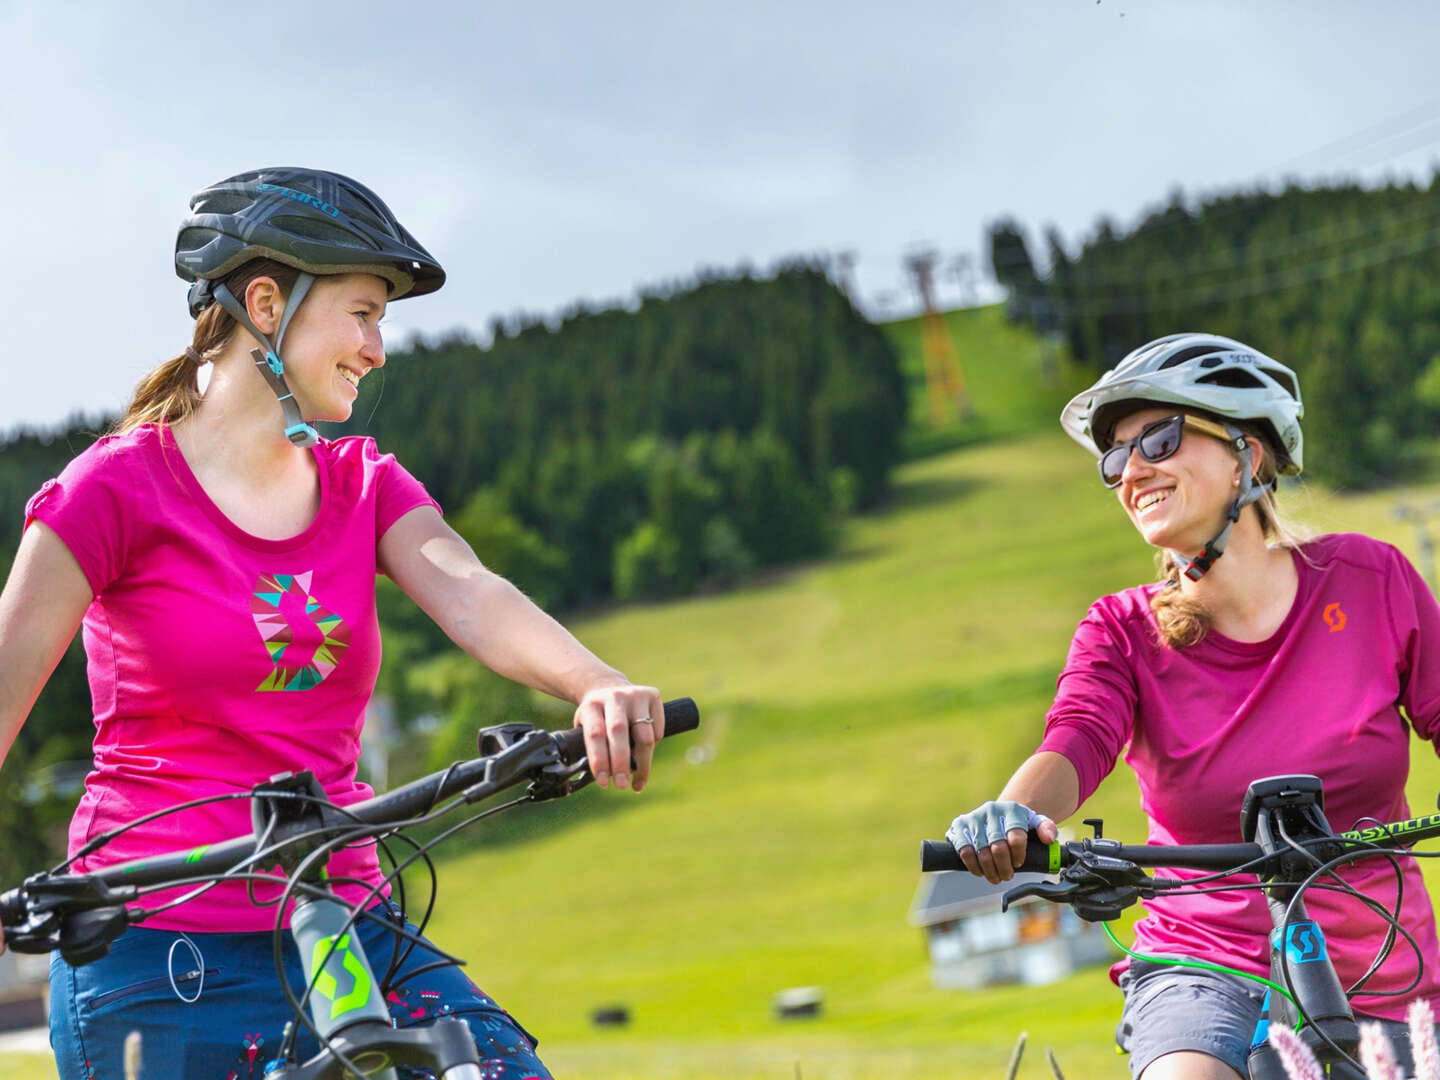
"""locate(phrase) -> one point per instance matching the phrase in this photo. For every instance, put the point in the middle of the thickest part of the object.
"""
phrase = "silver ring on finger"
(642, 720)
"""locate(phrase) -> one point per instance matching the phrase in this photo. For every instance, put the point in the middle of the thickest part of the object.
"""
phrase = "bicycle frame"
(296, 827)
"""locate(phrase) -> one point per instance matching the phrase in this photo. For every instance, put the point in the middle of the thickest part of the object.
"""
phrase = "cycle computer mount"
(1300, 800)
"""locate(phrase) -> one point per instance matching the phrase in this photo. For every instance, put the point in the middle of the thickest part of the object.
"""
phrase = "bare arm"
(1047, 783)
(498, 625)
(40, 610)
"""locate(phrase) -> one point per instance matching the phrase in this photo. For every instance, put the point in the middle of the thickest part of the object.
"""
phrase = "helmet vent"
(1284, 379)
(1186, 354)
(223, 202)
(315, 229)
(1237, 377)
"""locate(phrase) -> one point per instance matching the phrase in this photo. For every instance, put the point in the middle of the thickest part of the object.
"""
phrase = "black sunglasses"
(1156, 442)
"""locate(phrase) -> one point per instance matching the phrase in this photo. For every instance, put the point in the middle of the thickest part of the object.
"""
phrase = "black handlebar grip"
(1040, 857)
(681, 715)
(12, 908)
(939, 855)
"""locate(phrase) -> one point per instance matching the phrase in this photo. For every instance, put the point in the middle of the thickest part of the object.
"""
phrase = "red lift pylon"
(944, 380)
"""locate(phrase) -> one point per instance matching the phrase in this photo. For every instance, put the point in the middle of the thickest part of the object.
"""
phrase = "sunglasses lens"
(1157, 442)
(1161, 440)
(1112, 464)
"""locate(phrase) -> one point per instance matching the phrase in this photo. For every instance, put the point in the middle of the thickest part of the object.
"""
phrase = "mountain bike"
(296, 828)
(1290, 848)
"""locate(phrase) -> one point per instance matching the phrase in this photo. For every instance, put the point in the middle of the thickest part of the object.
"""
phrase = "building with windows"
(972, 943)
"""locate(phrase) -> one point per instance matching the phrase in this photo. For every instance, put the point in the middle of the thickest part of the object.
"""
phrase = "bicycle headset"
(1200, 371)
(315, 221)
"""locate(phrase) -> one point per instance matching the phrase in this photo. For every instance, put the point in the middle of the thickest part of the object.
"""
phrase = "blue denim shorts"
(1169, 1008)
(209, 1007)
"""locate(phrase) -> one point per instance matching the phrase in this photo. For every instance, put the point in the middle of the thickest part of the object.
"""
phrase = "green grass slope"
(850, 708)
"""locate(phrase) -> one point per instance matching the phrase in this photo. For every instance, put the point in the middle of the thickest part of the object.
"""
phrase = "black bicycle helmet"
(316, 221)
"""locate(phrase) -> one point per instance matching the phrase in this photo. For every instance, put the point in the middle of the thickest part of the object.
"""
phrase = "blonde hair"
(171, 392)
(1184, 620)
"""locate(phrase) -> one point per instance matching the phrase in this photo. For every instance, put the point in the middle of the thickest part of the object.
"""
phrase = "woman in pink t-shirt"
(222, 559)
(1256, 655)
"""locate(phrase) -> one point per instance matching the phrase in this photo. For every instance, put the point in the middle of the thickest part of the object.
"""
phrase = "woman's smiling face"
(334, 342)
(1178, 503)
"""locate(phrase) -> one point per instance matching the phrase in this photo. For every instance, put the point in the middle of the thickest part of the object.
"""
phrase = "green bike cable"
(1201, 964)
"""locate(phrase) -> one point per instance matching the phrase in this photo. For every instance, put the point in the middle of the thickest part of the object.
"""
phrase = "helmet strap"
(267, 361)
(1250, 492)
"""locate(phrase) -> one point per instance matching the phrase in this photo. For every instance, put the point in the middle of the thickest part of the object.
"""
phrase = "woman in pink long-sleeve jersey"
(1258, 654)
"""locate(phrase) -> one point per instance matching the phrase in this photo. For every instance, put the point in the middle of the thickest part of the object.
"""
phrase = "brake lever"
(558, 780)
(1098, 887)
(78, 915)
(1057, 892)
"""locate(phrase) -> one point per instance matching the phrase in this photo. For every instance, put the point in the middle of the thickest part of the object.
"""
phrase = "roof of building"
(954, 894)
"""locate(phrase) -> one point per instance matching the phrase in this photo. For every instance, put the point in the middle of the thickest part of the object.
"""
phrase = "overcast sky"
(549, 152)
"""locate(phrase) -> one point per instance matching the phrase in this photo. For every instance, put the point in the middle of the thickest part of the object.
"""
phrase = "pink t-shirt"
(217, 659)
(1322, 695)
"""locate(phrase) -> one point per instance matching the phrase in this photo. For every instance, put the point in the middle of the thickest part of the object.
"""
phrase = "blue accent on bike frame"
(1262, 1027)
(276, 364)
(1304, 942)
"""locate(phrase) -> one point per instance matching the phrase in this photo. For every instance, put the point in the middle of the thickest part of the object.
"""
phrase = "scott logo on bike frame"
(326, 983)
(1304, 943)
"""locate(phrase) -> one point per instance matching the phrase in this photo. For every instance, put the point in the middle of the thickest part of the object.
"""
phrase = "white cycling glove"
(990, 822)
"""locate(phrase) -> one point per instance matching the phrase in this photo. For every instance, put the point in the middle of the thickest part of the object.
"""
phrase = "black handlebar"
(118, 883)
(1045, 858)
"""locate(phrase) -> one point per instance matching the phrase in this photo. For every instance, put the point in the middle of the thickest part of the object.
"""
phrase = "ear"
(1257, 457)
(264, 303)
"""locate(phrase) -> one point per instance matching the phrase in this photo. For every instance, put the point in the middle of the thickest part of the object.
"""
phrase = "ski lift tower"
(944, 381)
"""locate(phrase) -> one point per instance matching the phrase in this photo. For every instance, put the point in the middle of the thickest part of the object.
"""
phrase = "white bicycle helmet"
(1205, 372)
(1201, 371)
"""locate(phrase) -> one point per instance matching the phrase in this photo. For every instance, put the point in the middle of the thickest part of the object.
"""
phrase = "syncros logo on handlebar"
(300, 196)
(1375, 834)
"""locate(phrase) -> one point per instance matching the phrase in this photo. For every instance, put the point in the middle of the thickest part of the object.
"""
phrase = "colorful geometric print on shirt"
(278, 635)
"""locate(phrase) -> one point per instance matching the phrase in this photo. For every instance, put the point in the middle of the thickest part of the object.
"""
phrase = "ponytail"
(171, 392)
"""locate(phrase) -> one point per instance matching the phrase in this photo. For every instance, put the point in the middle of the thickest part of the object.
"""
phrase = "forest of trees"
(1340, 283)
(639, 453)
(718, 427)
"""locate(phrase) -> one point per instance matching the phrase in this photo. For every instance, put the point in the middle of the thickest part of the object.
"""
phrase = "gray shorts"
(1170, 1008)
